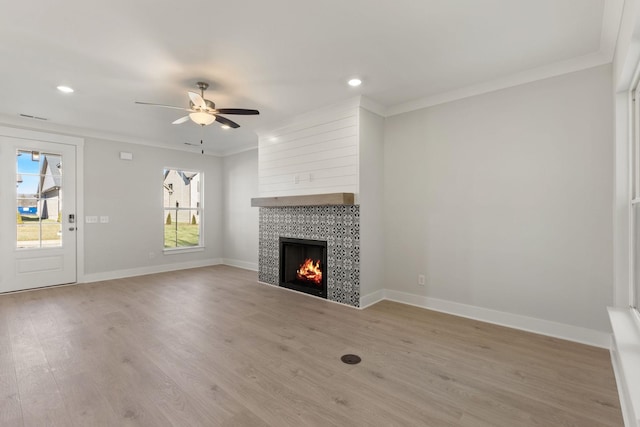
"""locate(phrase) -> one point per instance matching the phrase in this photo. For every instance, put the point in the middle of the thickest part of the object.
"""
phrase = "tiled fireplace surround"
(339, 225)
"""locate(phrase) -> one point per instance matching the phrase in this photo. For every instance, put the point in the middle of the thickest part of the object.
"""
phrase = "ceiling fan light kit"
(204, 112)
(202, 118)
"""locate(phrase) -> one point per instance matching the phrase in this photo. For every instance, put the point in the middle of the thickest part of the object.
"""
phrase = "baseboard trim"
(245, 265)
(510, 320)
(141, 271)
(372, 298)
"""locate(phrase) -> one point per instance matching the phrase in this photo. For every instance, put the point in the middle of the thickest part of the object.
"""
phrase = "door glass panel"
(39, 199)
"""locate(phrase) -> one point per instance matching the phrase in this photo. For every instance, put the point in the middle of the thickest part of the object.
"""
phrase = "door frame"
(79, 145)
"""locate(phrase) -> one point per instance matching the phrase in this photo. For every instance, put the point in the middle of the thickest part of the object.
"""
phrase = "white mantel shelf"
(308, 200)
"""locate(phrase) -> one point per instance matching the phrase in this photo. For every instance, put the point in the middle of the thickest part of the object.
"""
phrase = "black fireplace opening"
(303, 265)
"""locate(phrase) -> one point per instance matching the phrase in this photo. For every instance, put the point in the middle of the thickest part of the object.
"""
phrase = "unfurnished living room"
(293, 213)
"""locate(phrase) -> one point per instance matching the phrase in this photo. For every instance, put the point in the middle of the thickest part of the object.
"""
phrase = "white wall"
(371, 161)
(503, 200)
(130, 193)
(240, 184)
(313, 153)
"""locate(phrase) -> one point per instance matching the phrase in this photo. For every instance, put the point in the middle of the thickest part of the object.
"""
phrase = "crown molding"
(29, 124)
(372, 106)
(242, 150)
(611, 19)
(277, 128)
(528, 76)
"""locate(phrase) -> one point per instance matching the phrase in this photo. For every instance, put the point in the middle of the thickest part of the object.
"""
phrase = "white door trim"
(79, 144)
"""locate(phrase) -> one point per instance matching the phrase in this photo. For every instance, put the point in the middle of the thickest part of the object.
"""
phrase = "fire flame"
(310, 271)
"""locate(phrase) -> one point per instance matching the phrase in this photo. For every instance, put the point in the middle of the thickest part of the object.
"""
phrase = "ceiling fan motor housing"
(210, 105)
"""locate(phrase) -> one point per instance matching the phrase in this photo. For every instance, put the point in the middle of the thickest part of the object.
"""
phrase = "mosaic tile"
(339, 226)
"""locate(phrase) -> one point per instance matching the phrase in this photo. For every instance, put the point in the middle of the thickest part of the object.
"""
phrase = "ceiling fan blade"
(197, 100)
(227, 122)
(162, 105)
(180, 120)
(241, 111)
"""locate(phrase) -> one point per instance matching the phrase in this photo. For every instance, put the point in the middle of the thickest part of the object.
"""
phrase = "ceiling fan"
(204, 112)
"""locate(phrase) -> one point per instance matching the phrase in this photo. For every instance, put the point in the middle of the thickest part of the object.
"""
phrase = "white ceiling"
(282, 57)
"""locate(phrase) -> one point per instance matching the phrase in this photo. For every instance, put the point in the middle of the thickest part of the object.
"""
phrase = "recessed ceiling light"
(225, 127)
(65, 89)
(355, 82)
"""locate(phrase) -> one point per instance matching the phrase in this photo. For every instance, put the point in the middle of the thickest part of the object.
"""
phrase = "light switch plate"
(91, 219)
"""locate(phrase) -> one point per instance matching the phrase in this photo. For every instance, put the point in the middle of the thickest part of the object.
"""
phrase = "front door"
(37, 213)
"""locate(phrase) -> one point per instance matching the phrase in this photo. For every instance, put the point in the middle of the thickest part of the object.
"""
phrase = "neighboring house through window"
(49, 204)
(182, 204)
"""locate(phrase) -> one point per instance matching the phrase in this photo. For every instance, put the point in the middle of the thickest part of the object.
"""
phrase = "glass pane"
(182, 228)
(181, 188)
(181, 208)
(39, 200)
(636, 261)
(635, 148)
(28, 162)
(27, 185)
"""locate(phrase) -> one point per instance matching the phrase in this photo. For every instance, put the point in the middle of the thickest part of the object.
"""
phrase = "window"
(182, 204)
(634, 181)
(39, 199)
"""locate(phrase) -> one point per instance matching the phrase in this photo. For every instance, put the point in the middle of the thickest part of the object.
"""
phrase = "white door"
(37, 213)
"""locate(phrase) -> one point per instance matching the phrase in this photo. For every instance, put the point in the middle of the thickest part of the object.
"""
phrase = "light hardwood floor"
(212, 347)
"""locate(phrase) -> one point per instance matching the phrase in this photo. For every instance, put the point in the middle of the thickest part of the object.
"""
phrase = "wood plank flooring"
(212, 347)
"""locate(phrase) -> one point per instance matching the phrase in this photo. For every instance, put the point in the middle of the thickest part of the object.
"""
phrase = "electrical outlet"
(421, 280)
(152, 255)
(104, 219)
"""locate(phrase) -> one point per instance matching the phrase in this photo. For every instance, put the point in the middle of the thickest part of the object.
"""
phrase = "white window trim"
(183, 250)
(187, 249)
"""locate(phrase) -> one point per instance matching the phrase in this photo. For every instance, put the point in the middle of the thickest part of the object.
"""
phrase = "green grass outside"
(29, 230)
(188, 235)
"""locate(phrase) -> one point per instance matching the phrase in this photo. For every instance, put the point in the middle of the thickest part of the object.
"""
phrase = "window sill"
(185, 250)
(626, 361)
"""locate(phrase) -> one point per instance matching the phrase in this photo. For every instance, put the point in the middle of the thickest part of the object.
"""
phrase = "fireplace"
(338, 225)
(303, 265)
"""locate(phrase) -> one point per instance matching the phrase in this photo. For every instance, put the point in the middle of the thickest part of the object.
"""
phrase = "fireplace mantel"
(326, 199)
